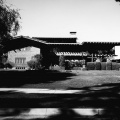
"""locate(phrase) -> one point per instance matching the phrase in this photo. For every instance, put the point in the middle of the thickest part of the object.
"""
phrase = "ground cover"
(80, 79)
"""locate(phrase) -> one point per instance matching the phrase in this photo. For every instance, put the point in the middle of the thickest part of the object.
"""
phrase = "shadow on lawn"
(45, 113)
(19, 78)
(106, 96)
(103, 100)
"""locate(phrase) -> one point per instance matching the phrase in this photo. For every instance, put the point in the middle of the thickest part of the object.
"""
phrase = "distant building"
(20, 57)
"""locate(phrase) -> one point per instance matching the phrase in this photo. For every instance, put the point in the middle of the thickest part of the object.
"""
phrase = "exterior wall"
(117, 51)
(22, 56)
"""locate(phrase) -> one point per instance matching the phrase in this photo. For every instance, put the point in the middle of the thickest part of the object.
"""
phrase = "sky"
(93, 20)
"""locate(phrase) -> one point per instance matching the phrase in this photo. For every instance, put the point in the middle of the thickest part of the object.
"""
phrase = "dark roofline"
(27, 37)
(56, 37)
(99, 42)
(63, 43)
(42, 40)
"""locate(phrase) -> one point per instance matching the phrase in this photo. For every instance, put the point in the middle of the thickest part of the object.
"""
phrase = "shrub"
(35, 65)
(67, 65)
(108, 65)
(9, 65)
(31, 64)
(98, 66)
(36, 62)
(2, 65)
(103, 65)
(62, 61)
(90, 65)
(114, 65)
(117, 66)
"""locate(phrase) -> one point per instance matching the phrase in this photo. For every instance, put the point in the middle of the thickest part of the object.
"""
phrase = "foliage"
(90, 65)
(43, 62)
(117, 66)
(62, 61)
(36, 62)
(9, 21)
(117, 0)
(48, 57)
(54, 59)
(103, 65)
(2, 65)
(98, 65)
(114, 65)
(31, 64)
(67, 65)
(9, 24)
(108, 65)
(9, 64)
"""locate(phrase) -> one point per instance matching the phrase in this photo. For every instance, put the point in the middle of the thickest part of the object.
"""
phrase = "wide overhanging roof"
(57, 39)
(27, 37)
(23, 41)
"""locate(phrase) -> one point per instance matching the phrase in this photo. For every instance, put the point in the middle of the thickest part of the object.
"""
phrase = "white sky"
(93, 20)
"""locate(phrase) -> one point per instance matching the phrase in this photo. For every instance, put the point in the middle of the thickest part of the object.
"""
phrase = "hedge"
(117, 66)
(108, 65)
(76, 68)
(114, 64)
(98, 66)
(103, 65)
(90, 65)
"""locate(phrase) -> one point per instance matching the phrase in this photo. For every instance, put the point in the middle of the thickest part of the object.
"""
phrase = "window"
(20, 60)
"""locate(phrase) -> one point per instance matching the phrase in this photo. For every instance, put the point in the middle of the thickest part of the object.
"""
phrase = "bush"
(8, 65)
(76, 68)
(67, 65)
(98, 66)
(108, 65)
(62, 61)
(114, 65)
(2, 65)
(90, 65)
(31, 64)
(34, 65)
(78, 64)
(103, 65)
(117, 66)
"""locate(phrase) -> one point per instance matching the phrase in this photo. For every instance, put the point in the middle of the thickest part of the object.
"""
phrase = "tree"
(36, 62)
(40, 61)
(9, 23)
(117, 0)
(62, 61)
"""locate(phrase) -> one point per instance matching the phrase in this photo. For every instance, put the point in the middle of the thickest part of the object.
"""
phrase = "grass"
(81, 79)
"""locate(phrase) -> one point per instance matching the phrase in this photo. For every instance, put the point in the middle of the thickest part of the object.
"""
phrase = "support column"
(92, 57)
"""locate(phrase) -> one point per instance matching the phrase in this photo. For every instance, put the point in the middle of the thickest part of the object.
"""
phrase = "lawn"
(80, 79)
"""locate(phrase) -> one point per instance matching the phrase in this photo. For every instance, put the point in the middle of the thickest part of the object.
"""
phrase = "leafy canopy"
(9, 21)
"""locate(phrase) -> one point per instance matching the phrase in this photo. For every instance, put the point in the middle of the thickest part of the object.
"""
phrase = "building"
(25, 47)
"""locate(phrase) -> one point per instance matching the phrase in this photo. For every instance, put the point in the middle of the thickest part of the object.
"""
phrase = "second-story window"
(20, 60)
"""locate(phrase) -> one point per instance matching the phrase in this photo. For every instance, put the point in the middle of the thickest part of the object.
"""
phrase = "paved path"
(41, 91)
(36, 104)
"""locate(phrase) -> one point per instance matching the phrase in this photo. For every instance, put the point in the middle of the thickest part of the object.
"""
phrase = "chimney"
(73, 34)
